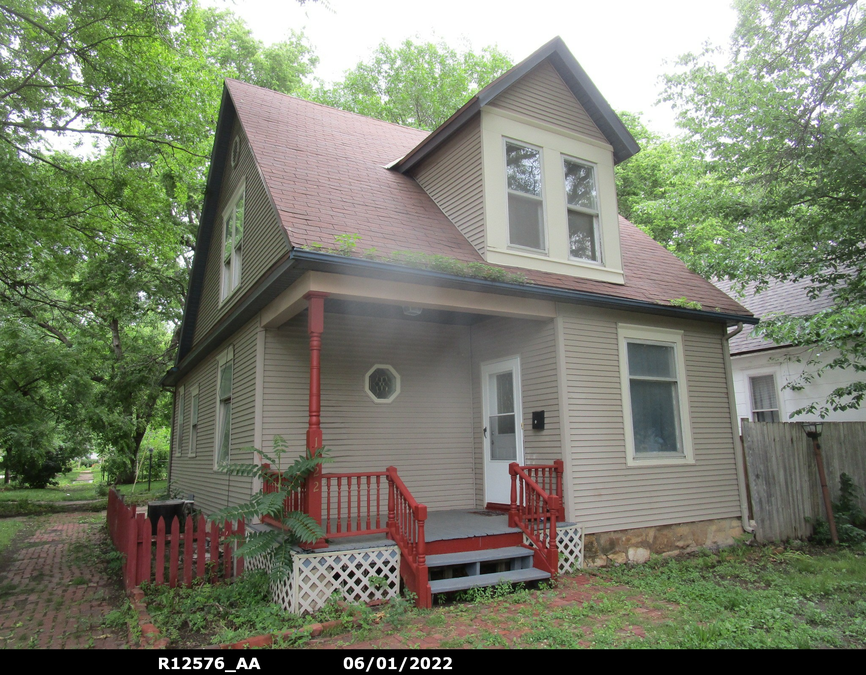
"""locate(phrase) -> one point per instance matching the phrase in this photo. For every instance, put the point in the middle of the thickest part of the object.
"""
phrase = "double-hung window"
(525, 197)
(765, 402)
(193, 421)
(654, 396)
(181, 400)
(224, 409)
(233, 233)
(581, 193)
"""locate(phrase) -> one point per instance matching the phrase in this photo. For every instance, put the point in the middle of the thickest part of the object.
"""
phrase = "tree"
(96, 239)
(781, 127)
(416, 84)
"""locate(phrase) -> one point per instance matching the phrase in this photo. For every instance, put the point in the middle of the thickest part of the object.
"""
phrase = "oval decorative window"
(382, 383)
(236, 151)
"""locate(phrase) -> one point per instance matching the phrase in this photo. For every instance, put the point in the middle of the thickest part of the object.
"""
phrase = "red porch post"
(315, 327)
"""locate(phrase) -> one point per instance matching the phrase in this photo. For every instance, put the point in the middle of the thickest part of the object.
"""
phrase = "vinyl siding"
(264, 241)
(195, 475)
(534, 342)
(453, 179)
(608, 494)
(543, 96)
(425, 432)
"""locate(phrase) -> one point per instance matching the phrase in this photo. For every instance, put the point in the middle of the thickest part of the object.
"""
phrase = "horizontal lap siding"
(264, 239)
(542, 95)
(608, 494)
(425, 432)
(452, 177)
(534, 342)
(195, 475)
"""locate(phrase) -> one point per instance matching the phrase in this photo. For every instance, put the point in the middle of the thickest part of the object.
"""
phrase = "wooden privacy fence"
(202, 551)
(783, 477)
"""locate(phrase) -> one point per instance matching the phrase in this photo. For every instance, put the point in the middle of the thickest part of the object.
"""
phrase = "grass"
(8, 528)
(29, 501)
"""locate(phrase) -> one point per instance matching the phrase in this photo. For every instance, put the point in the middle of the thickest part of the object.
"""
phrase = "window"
(181, 400)
(382, 383)
(765, 403)
(193, 419)
(581, 194)
(525, 199)
(224, 409)
(233, 232)
(654, 396)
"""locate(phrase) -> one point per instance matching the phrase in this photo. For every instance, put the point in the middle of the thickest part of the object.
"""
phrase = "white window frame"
(230, 277)
(763, 372)
(224, 358)
(181, 404)
(545, 251)
(668, 338)
(580, 209)
(195, 407)
(372, 396)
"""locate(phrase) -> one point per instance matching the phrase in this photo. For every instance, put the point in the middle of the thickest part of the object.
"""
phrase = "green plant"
(346, 243)
(849, 516)
(298, 527)
(688, 304)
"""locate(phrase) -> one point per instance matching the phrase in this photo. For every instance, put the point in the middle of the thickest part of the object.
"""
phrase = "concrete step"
(479, 580)
(467, 557)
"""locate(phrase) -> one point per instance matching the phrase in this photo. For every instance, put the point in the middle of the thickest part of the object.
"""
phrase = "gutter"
(316, 260)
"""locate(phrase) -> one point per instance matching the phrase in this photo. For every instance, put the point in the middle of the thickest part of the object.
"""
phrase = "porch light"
(412, 311)
(812, 429)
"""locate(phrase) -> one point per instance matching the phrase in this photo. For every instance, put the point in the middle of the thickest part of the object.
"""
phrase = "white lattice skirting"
(569, 541)
(356, 576)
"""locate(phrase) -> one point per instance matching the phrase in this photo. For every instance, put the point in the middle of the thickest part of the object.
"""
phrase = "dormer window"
(582, 205)
(233, 232)
(525, 198)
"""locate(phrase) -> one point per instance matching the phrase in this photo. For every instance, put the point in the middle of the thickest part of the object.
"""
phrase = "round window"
(382, 383)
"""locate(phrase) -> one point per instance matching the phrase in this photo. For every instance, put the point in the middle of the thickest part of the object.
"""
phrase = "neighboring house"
(584, 369)
(763, 369)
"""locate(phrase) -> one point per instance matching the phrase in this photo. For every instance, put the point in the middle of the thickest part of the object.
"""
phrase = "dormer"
(525, 169)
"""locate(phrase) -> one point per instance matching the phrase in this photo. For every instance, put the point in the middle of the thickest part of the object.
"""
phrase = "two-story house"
(571, 390)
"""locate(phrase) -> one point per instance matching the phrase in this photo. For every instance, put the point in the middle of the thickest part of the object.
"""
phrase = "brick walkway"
(53, 590)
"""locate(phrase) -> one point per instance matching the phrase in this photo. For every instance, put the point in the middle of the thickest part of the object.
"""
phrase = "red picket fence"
(203, 551)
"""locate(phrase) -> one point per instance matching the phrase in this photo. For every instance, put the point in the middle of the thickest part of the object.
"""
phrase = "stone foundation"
(635, 546)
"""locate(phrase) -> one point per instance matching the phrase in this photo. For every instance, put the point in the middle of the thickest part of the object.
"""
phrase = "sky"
(623, 45)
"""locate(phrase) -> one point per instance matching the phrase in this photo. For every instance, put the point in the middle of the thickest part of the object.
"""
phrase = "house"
(764, 370)
(462, 318)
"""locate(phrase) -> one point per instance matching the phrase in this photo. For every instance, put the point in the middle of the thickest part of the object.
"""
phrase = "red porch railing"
(201, 551)
(406, 522)
(548, 477)
(535, 511)
(352, 504)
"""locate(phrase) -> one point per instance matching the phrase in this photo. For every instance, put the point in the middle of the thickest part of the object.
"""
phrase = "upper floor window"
(765, 403)
(233, 232)
(582, 206)
(525, 198)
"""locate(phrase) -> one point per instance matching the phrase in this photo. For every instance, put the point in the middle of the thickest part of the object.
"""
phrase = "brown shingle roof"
(325, 169)
(789, 297)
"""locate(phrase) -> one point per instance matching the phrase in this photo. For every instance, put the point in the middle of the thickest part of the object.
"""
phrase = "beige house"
(467, 307)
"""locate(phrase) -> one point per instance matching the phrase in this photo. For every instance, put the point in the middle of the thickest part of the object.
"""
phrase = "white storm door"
(503, 435)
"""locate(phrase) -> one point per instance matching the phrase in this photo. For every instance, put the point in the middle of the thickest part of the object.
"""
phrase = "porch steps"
(463, 570)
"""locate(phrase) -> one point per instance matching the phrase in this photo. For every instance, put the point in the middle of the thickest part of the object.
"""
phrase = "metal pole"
(819, 459)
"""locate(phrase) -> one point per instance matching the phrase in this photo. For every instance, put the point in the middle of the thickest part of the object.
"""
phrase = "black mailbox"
(538, 419)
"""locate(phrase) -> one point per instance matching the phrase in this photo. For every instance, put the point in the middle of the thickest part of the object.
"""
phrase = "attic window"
(525, 199)
(382, 383)
(582, 206)
(233, 232)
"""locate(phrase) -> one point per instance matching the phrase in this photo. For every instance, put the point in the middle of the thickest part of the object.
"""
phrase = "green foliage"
(276, 545)
(775, 153)
(346, 245)
(684, 302)
(848, 514)
(39, 469)
(416, 84)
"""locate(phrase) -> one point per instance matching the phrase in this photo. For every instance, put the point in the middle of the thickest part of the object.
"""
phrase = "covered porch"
(438, 435)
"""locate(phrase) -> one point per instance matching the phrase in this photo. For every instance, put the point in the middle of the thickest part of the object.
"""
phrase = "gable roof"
(325, 173)
(784, 297)
(574, 76)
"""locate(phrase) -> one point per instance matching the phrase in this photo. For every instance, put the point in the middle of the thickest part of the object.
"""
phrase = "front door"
(503, 435)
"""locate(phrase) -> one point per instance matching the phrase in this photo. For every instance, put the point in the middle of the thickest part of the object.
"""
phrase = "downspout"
(748, 525)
